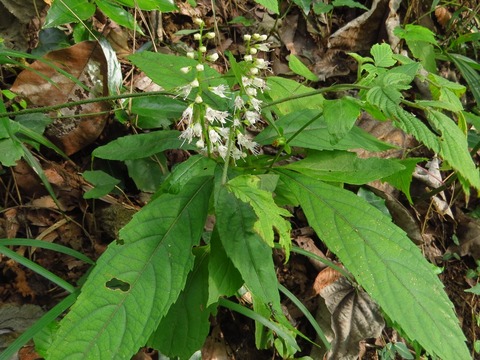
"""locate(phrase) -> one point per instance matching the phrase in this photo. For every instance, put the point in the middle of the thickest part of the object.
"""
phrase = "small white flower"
(210, 35)
(199, 67)
(197, 129)
(212, 57)
(259, 83)
(251, 117)
(247, 37)
(213, 115)
(200, 144)
(198, 99)
(251, 91)
(246, 81)
(187, 115)
(199, 21)
(224, 132)
(197, 36)
(219, 90)
(222, 151)
(245, 142)
(263, 46)
(254, 71)
(213, 136)
(256, 103)
(238, 154)
(195, 83)
(186, 69)
(262, 37)
(248, 58)
(202, 49)
(236, 122)
(191, 55)
(238, 103)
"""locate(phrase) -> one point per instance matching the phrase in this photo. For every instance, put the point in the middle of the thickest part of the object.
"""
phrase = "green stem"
(227, 158)
(82, 102)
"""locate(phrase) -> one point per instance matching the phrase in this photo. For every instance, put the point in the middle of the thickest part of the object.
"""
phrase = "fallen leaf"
(42, 85)
(355, 317)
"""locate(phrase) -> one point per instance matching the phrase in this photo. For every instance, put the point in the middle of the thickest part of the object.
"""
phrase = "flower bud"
(199, 21)
(247, 37)
(195, 83)
(248, 58)
(210, 35)
(212, 57)
(253, 51)
(199, 67)
(197, 36)
(186, 69)
(191, 55)
(202, 49)
(198, 99)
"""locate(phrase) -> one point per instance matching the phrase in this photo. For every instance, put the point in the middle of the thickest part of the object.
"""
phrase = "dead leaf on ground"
(42, 85)
(468, 234)
(355, 317)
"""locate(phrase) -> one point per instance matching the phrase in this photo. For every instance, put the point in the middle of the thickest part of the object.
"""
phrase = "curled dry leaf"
(355, 316)
(443, 15)
(42, 85)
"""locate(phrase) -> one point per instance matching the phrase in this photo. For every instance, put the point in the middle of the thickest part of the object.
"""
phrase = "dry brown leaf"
(84, 61)
(11, 223)
(215, 347)
(355, 317)
(325, 278)
(443, 15)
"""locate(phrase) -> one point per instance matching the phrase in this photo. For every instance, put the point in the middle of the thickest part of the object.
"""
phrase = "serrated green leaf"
(102, 182)
(248, 252)
(224, 279)
(68, 11)
(315, 135)
(340, 116)
(449, 97)
(345, 167)
(271, 5)
(402, 179)
(469, 73)
(168, 75)
(153, 263)
(281, 89)
(185, 327)
(299, 68)
(454, 147)
(270, 216)
(416, 33)
(385, 262)
(382, 55)
(140, 146)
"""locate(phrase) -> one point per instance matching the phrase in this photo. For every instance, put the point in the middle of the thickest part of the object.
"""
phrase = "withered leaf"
(42, 85)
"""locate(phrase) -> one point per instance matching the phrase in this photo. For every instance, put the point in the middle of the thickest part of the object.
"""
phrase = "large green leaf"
(384, 261)
(68, 11)
(271, 5)
(343, 166)
(340, 116)
(140, 146)
(185, 327)
(314, 134)
(270, 216)
(245, 248)
(454, 147)
(135, 282)
(161, 5)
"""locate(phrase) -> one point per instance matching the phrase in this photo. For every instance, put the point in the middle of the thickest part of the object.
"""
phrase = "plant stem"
(227, 157)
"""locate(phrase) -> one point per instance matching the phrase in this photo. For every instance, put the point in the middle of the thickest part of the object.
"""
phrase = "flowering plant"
(257, 147)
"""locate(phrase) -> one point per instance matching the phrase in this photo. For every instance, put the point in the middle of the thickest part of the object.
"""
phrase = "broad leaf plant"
(160, 282)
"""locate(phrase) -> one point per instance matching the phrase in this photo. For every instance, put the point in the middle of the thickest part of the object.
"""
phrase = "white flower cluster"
(220, 132)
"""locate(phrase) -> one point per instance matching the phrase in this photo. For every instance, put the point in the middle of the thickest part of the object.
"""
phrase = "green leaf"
(146, 173)
(168, 75)
(454, 147)
(185, 327)
(416, 33)
(349, 3)
(103, 183)
(119, 15)
(402, 179)
(68, 11)
(140, 146)
(449, 97)
(10, 152)
(471, 76)
(384, 262)
(304, 5)
(245, 248)
(161, 5)
(299, 68)
(382, 55)
(340, 116)
(224, 278)
(283, 89)
(474, 290)
(156, 111)
(314, 134)
(270, 216)
(153, 263)
(345, 167)
(271, 5)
